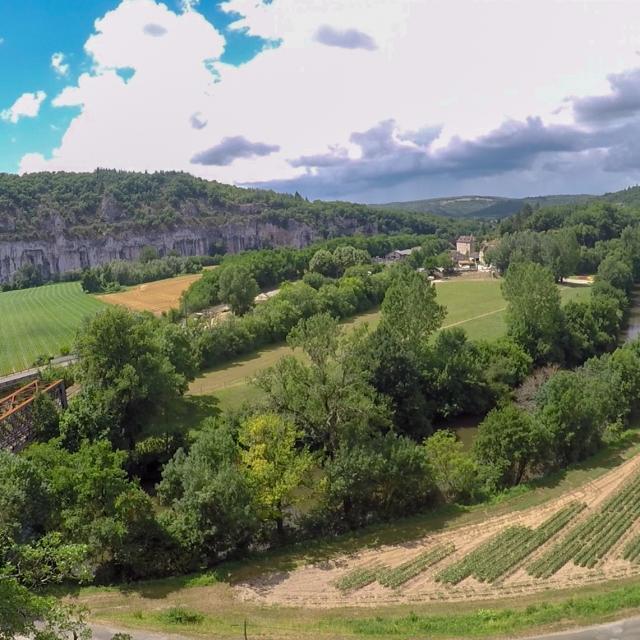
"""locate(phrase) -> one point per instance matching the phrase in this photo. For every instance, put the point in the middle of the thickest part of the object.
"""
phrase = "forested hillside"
(115, 202)
(57, 223)
(482, 207)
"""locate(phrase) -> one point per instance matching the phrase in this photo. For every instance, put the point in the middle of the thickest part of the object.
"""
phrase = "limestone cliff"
(63, 222)
(60, 254)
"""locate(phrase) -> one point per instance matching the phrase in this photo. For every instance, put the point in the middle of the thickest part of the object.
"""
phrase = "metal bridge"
(16, 412)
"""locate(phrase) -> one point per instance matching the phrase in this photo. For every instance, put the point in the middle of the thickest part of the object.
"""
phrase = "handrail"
(13, 408)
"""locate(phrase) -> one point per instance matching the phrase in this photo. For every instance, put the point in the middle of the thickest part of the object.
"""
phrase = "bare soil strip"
(314, 585)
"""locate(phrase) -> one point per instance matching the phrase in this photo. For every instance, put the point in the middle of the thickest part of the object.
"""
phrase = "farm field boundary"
(488, 562)
(477, 306)
(157, 296)
(40, 321)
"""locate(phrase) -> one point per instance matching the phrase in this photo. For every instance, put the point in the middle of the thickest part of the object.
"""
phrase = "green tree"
(90, 281)
(534, 315)
(381, 475)
(330, 399)
(89, 497)
(453, 470)
(346, 256)
(397, 374)
(617, 271)
(410, 312)
(45, 417)
(148, 253)
(574, 407)
(510, 442)
(324, 263)
(275, 466)
(210, 504)
(238, 288)
(455, 381)
(125, 372)
(560, 252)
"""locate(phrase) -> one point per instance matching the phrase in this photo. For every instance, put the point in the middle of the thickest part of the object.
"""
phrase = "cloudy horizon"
(365, 100)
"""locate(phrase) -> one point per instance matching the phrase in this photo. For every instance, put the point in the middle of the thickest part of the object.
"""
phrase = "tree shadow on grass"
(185, 415)
(273, 566)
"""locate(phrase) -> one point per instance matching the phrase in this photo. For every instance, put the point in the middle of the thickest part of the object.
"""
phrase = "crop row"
(396, 576)
(591, 540)
(402, 573)
(632, 550)
(358, 578)
(499, 555)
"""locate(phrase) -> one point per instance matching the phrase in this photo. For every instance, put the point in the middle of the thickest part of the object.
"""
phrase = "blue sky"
(33, 30)
(369, 100)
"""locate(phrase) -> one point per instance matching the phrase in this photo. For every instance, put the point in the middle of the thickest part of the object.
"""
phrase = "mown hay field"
(156, 297)
(41, 321)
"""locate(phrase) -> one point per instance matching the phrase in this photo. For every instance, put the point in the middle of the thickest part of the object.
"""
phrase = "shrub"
(180, 615)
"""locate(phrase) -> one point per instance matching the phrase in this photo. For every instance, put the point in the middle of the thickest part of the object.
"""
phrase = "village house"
(398, 255)
(466, 245)
(465, 255)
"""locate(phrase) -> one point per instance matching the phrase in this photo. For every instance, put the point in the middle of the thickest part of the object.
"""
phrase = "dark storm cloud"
(388, 159)
(514, 145)
(602, 141)
(344, 38)
(230, 149)
(621, 103)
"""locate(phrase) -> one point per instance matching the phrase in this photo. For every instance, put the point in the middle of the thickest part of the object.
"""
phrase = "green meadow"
(40, 321)
(477, 306)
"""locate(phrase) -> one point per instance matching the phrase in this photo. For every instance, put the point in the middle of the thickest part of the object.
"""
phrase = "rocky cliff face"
(60, 253)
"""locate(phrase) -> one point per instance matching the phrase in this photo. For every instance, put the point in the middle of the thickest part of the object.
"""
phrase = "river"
(632, 330)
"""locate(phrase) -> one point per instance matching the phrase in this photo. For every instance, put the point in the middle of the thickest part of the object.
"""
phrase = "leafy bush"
(181, 615)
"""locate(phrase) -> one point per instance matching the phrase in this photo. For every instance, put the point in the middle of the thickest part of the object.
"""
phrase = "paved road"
(623, 630)
(101, 632)
(22, 377)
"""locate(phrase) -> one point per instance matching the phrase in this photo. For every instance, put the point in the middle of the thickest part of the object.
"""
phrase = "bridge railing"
(16, 412)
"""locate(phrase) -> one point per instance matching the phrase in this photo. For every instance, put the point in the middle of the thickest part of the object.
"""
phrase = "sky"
(365, 100)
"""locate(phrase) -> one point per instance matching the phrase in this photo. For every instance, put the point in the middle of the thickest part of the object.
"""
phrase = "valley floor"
(291, 592)
(475, 305)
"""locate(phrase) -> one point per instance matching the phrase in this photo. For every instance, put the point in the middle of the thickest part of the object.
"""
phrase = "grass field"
(156, 297)
(219, 604)
(40, 321)
(477, 306)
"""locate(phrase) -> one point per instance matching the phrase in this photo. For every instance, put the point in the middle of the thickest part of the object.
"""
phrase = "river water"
(632, 330)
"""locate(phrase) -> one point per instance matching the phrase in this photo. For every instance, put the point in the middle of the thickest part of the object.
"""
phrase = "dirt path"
(482, 315)
(314, 585)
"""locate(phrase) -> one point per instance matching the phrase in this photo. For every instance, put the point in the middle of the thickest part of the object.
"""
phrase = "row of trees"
(150, 267)
(358, 290)
(331, 258)
(550, 333)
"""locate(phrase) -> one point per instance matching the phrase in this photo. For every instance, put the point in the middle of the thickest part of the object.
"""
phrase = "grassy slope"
(40, 321)
(142, 605)
(475, 305)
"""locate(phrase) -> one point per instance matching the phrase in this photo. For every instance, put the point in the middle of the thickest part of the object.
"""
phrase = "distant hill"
(62, 222)
(628, 196)
(486, 207)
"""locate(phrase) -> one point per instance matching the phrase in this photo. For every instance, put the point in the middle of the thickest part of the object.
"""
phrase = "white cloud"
(58, 64)
(442, 72)
(26, 106)
(189, 5)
